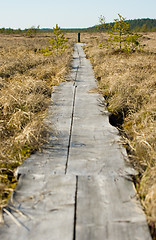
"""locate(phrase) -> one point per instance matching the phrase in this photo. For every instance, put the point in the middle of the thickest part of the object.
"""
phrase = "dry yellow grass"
(26, 80)
(128, 82)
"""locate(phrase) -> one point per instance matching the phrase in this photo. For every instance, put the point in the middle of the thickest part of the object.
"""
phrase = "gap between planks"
(75, 209)
(73, 108)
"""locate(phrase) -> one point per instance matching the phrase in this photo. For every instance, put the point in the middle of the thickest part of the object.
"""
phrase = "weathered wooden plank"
(107, 209)
(53, 158)
(48, 204)
(94, 143)
(76, 205)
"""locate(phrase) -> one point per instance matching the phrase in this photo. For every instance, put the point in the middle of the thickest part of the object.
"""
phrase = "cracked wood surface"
(79, 187)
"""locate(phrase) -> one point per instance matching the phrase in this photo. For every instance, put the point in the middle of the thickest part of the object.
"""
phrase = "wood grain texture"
(79, 187)
(107, 209)
(48, 207)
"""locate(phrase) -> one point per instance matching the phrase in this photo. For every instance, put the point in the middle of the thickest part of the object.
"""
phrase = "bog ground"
(80, 186)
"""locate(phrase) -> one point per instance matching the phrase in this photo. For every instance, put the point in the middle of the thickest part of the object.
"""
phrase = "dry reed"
(128, 83)
(26, 80)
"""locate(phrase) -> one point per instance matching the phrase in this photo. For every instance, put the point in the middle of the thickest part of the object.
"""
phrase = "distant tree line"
(138, 25)
(30, 32)
(143, 25)
(10, 30)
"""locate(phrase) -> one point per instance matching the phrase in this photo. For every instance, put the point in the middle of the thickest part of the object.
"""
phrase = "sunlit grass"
(26, 81)
(128, 83)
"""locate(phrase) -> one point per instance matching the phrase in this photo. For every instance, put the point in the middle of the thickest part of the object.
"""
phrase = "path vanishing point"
(79, 187)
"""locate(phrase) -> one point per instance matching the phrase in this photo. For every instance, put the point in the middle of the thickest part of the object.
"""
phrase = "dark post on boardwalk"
(79, 37)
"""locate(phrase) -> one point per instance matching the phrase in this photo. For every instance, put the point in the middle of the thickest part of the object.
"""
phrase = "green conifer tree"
(121, 38)
(57, 43)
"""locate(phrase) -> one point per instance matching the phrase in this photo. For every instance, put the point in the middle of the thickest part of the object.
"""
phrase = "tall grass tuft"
(26, 81)
(128, 83)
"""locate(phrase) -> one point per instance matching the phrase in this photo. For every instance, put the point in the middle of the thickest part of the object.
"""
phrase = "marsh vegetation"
(127, 80)
(26, 82)
(128, 83)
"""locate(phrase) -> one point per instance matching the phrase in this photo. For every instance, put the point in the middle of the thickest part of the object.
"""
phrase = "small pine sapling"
(57, 43)
(121, 38)
(31, 32)
(102, 25)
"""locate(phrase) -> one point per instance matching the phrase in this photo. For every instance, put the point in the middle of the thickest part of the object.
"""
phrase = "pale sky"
(70, 13)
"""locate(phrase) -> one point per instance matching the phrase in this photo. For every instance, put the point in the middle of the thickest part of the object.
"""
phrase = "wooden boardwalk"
(79, 188)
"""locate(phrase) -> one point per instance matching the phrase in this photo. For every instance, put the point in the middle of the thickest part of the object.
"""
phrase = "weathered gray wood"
(54, 156)
(95, 145)
(77, 188)
(106, 202)
(107, 209)
(48, 205)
